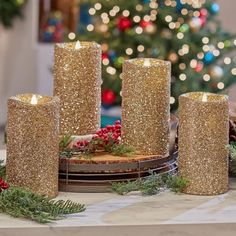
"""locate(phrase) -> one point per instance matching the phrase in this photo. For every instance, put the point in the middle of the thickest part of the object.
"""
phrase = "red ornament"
(104, 56)
(144, 23)
(108, 97)
(203, 12)
(124, 23)
(199, 67)
(203, 21)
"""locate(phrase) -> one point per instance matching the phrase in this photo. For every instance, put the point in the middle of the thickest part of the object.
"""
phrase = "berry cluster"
(111, 133)
(103, 139)
(81, 144)
(3, 185)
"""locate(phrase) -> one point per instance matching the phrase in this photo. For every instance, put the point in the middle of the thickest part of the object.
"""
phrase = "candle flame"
(77, 45)
(204, 97)
(34, 100)
(146, 62)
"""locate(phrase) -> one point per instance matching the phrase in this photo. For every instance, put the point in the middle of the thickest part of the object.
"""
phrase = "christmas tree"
(185, 32)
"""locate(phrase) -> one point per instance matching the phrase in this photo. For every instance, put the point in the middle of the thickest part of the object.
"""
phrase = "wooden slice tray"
(95, 174)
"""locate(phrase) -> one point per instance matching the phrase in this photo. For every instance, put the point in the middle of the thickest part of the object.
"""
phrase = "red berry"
(118, 126)
(117, 122)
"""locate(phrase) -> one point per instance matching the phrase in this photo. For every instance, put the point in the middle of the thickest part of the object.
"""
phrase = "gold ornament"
(145, 105)
(32, 143)
(203, 137)
(216, 72)
(151, 29)
(195, 24)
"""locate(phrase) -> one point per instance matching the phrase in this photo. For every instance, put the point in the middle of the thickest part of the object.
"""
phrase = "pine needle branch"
(151, 185)
(23, 203)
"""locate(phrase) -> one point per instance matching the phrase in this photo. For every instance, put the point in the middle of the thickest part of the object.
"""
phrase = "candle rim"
(199, 95)
(83, 44)
(45, 100)
(154, 62)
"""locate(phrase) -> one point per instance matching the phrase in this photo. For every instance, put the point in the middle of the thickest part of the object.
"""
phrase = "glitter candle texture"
(32, 143)
(145, 105)
(203, 140)
(77, 82)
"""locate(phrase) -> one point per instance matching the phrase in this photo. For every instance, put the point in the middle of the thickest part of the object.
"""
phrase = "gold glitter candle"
(145, 105)
(77, 82)
(203, 137)
(32, 143)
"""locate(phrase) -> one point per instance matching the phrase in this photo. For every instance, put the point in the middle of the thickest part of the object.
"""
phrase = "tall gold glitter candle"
(145, 105)
(32, 143)
(77, 82)
(203, 137)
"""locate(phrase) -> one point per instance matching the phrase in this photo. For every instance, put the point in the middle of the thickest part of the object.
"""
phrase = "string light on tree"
(233, 71)
(216, 52)
(182, 66)
(180, 35)
(90, 27)
(220, 85)
(92, 11)
(172, 100)
(140, 48)
(205, 40)
(227, 60)
(139, 30)
(193, 63)
(173, 57)
(126, 13)
(220, 45)
(129, 51)
(111, 70)
(71, 35)
(105, 61)
(206, 77)
(182, 77)
(98, 6)
(136, 19)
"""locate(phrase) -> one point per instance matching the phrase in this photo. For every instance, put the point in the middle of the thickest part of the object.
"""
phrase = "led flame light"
(77, 45)
(204, 97)
(146, 62)
(34, 100)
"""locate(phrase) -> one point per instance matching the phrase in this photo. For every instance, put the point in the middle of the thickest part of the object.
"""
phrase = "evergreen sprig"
(151, 185)
(232, 164)
(2, 169)
(122, 150)
(23, 203)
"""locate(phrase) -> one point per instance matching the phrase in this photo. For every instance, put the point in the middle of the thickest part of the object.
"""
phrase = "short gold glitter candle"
(77, 82)
(203, 137)
(145, 105)
(32, 143)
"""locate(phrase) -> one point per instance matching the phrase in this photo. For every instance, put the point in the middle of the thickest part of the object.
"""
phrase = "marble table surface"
(163, 214)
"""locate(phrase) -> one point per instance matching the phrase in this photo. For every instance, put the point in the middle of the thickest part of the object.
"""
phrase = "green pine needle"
(65, 142)
(2, 170)
(122, 150)
(232, 164)
(23, 203)
(151, 185)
